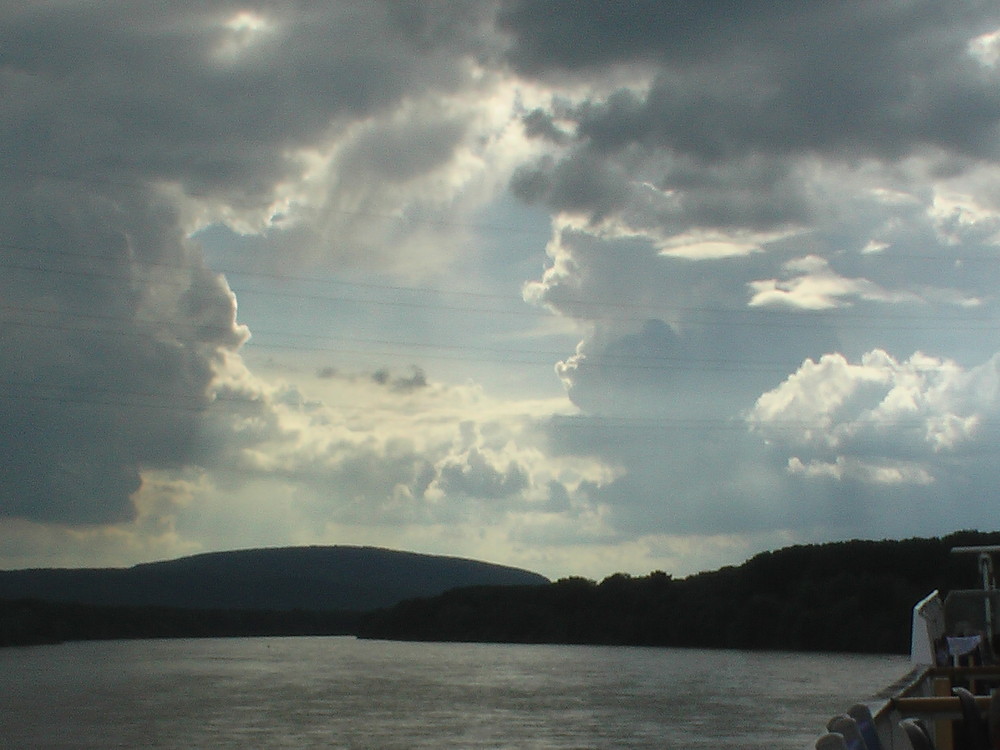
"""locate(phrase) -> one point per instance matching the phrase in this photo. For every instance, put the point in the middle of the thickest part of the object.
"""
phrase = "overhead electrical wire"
(589, 310)
(638, 426)
(629, 311)
(500, 356)
(397, 349)
(186, 332)
(127, 399)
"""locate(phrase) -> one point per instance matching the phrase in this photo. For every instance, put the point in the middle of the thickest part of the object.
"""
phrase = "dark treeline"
(31, 621)
(851, 596)
(847, 596)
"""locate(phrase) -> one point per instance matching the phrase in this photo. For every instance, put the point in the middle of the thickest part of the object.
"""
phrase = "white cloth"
(963, 644)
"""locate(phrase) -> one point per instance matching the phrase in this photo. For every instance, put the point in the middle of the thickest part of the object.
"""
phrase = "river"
(347, 693)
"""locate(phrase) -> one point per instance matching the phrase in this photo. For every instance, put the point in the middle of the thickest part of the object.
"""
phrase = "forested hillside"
(849, 596)
(283, 578)
(280, 591)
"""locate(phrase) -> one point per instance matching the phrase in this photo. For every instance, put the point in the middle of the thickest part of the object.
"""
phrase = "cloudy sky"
(582, 287)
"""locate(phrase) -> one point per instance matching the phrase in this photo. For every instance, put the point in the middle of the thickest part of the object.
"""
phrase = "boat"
(950, 699)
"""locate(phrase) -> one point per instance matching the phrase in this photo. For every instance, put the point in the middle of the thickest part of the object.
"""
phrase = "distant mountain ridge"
(317, 578)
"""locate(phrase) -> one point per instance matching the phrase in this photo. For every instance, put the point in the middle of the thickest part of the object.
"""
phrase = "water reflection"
(344, 693)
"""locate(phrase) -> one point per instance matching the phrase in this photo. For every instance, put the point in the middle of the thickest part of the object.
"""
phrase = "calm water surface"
(345, 693)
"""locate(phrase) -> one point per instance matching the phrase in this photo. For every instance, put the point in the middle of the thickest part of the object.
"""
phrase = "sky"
(580, 287)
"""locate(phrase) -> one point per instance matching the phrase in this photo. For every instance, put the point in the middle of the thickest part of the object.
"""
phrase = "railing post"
(943, 733)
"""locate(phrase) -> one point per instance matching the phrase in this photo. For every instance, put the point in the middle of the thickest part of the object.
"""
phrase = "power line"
(391, 347)
(85, 396)
(472, 225)
(742, 316)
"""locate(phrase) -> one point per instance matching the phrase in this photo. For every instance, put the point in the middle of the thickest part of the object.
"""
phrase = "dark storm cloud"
(108, 351)
(823, 109)
(582, 184)
(735, 86)
(476, 477)
(540, 124)
(112, 328)
(590, 35)
(137, 90)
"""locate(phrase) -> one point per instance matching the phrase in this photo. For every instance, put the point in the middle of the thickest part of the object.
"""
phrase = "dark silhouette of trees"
(31, 621)
(847, 596)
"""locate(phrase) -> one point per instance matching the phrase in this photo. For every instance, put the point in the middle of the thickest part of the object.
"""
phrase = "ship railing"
(929, 696)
